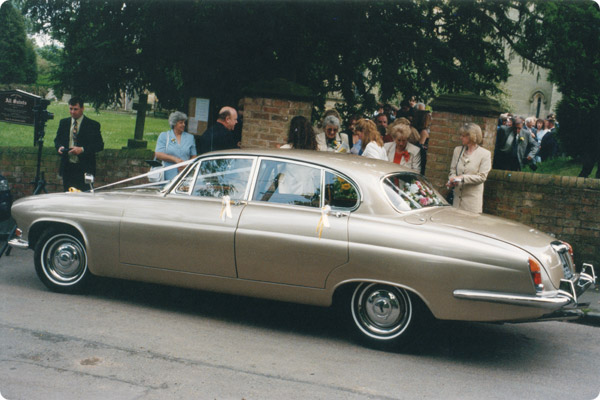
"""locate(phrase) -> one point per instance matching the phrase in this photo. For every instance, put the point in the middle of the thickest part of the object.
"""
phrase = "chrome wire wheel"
(381, 312)
(63, 259)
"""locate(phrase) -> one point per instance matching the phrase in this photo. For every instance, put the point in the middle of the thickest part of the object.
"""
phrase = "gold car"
(307, 227)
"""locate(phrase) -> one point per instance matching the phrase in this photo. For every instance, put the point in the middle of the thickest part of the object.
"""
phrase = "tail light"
(536, 274)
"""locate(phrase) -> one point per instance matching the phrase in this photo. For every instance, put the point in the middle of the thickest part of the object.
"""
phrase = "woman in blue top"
(175, 146)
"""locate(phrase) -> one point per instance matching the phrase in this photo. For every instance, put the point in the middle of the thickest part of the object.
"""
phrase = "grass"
(563, 166)
(117, 128)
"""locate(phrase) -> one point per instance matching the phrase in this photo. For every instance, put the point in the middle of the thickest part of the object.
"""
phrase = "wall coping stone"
(468, 104)
(279, 89)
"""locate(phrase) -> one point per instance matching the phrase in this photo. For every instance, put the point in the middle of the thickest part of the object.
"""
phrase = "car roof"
(352, 165)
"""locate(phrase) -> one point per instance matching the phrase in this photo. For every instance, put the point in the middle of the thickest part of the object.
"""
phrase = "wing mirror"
(89, 180)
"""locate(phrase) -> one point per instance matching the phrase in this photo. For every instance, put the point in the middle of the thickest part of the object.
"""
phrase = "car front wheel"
(385, 315)
(61, 261)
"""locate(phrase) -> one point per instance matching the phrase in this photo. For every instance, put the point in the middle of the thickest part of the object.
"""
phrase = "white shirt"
(373, 150)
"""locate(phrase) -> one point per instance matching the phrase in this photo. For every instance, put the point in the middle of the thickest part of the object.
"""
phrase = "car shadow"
(482, 343)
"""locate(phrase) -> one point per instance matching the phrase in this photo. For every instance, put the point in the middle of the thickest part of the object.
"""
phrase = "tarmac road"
(127, 340)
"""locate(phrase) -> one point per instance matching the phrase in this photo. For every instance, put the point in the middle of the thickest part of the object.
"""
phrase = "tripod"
(40, 117)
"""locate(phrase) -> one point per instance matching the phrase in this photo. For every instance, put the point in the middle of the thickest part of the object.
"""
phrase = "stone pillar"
(268, 108)
(450, 113)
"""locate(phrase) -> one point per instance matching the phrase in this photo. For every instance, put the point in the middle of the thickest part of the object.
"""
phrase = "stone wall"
(18, 164)
(565, 206)
(267, 120)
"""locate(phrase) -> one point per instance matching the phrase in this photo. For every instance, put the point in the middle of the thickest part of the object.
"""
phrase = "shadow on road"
(459, 341)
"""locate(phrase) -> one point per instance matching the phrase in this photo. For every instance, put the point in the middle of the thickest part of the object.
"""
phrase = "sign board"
(16, 106)
(198, 115)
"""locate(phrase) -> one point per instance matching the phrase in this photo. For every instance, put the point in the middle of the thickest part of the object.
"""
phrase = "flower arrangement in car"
(421, 194)
(343, 189)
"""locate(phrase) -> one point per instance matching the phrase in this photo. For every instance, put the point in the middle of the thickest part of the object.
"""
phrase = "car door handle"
(339, 214)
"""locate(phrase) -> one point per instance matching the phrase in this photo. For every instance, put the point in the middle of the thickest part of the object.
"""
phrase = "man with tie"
(78, 139)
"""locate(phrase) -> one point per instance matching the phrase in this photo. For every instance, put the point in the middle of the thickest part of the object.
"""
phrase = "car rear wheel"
(61, 261)
(384, 315)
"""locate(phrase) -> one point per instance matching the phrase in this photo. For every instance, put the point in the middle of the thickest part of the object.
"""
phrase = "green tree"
(215, 49)
(17, 54)
(564, 37)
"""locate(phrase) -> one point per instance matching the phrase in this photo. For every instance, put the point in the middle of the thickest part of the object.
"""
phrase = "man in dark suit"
(549, 144)
(220, 136)
(515, 147)
(78, 139)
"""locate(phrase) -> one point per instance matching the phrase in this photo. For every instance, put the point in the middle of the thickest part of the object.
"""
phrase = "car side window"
(339, 192)
(183, 187)
(288, 183)
(222, 177)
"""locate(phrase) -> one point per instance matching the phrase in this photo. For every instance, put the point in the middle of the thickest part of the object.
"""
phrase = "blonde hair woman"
(469, 168)
(372, 144)
(401, 151)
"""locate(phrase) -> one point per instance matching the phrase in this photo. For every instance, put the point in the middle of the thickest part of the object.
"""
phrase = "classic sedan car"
(307, 227)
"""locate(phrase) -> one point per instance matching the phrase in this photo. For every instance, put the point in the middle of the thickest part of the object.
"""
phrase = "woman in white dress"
(372, 143)
(400, 150)
(469, 168)
(301, 135)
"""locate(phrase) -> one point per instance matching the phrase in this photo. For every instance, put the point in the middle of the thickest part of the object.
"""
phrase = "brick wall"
(565, 206)
(18, 164)
(266, 120)
(444, 138)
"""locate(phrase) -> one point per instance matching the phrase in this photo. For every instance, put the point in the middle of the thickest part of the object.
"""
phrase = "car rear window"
(408, 191)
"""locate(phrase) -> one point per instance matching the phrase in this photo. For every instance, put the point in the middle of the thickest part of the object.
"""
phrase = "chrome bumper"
(18, 244)
(564, 299)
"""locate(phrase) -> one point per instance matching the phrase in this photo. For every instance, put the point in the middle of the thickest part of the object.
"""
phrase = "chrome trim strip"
(562, 299)
(19, 244)
(566, 297)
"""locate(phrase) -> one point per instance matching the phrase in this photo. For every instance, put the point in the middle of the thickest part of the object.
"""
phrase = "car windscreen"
(407, 191)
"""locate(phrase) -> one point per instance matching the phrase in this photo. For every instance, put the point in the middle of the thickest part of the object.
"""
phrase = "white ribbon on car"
(181, 164)
(225, 208)
(324, 220)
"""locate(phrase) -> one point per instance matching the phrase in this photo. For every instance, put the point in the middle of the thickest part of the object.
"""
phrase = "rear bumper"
(562, 304)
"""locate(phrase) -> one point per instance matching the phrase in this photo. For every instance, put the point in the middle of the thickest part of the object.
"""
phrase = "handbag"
(450, 194)
(154, 176)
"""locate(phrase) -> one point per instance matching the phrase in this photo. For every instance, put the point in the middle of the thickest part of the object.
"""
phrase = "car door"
(189, 229)
(281, 237)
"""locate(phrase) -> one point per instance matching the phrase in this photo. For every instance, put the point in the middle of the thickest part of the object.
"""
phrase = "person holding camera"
(78, 139)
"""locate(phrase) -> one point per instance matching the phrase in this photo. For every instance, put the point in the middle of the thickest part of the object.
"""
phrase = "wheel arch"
(39, 227)
(346, 287)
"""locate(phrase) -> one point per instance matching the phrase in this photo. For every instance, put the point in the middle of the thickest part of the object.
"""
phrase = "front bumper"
(562, 304)
(18, 243)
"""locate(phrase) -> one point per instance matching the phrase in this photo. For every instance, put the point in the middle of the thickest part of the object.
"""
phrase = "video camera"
(40, 115)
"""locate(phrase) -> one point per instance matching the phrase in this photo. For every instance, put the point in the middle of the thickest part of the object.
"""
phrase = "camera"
(40, 116)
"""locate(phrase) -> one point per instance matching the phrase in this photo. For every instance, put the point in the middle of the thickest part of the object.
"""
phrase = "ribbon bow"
(74, 190)
(405, 154)
(225, 208)
(323, 221)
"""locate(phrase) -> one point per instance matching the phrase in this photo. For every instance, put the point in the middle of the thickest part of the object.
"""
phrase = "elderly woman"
(372, 143)
(469, 168)
(301, 135)
(175, 145)
(331, 139)
(401, 151)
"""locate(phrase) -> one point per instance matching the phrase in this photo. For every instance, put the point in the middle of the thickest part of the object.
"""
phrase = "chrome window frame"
(196, 166)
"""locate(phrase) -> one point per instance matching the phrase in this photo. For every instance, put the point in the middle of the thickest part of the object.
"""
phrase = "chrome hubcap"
(381, 311)
(64, 259)
(382, 308)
